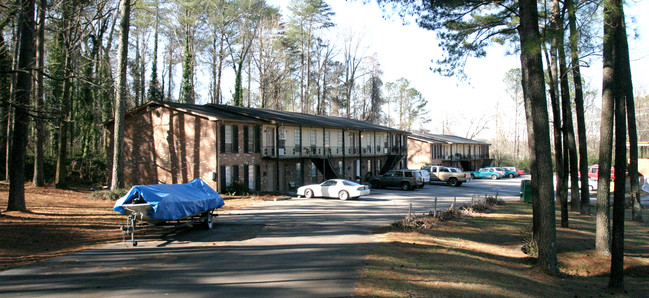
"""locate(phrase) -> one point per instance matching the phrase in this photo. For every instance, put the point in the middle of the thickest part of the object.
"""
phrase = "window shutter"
(235, 173)
(223, 186)
(222, 147)
(245, 139)
(257, 177)
(246, 175)
(235, 138)
(257, 139)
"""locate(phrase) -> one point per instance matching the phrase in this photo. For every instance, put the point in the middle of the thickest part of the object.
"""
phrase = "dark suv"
(405, 179)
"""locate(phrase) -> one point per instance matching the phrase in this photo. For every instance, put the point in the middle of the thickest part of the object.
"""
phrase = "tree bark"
(602, 230)
(117, 181)
(561, 186)
(38, 179)
(570, 148)
(536, 105)
(16, 200)
(627, 87)
(579, 109)
(623, 84)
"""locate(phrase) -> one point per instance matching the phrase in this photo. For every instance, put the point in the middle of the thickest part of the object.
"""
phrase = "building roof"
(444, 139)
(263, 116)
(293, 118)
(207, 112)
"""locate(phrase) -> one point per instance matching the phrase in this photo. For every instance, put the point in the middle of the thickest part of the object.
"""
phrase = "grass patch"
(480, 254)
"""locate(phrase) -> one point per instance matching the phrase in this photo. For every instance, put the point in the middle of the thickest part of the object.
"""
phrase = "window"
(228, 176)
(340, 167)
(251, 177)
(340, 138)
(228, 138)
(314, 174)
(298, 174)
(298, 140)
(313, 137)
(281, 135)
(329, 183)
(250, 139)
(327, 139)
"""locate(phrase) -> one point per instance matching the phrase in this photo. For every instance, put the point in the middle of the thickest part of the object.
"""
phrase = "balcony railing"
(326, 151)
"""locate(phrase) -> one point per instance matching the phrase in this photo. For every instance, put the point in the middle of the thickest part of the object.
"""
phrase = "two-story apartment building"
(266, 149)
(446, 150)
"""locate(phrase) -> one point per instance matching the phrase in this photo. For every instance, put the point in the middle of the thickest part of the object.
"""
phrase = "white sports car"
(334, 188)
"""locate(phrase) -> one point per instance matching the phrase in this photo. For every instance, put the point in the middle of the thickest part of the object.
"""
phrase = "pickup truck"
(405, 179)
(444, 174)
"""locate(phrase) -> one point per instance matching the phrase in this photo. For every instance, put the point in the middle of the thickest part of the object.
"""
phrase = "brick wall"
(163, 146)
(419, 154)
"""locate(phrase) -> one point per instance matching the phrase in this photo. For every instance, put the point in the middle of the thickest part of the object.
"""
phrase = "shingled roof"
(293, 118)
(446, 139)
(254, 115)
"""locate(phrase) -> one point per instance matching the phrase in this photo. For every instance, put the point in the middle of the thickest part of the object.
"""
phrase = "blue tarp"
(173, 201)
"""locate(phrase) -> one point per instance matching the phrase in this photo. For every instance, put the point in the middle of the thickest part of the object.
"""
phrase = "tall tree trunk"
(62, 154)
(220, 70)
(561, 187)
(579, 109)
(535, 101)
(117, 181)
(602, 230)
(38, 179)
(623, 89)
(5, 98)
(155, 94)
(16, 200)
(12, 94)
(570, 148)
(636, 213)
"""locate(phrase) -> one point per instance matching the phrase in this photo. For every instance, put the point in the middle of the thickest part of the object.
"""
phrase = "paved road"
(297, 247)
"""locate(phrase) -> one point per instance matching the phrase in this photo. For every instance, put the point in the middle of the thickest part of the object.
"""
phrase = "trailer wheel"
(209, 221)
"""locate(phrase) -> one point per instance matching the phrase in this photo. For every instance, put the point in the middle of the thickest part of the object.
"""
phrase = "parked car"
(405, 179)
(592, 184)
(593, 172)
(334, 188)
(486, 173)
(513, 171)
(425, 176)
(452, 176)
(499, 170)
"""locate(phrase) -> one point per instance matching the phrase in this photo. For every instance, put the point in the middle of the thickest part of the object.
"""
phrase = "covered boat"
(171, 201)
(168, 206)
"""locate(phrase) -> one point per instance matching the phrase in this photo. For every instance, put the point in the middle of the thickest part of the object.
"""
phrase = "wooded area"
(467, 28)
(174, 51)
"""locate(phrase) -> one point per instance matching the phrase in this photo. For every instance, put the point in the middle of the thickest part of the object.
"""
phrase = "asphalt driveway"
(297, 247)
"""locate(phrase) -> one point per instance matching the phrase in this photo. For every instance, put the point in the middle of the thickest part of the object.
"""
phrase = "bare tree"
(117, 180)
(38, 178)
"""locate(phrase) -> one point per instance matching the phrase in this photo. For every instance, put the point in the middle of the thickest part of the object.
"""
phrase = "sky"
(408, 51)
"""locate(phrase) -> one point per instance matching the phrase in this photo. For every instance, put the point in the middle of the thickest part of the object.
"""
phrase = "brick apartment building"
(268, 150)
(447, 150)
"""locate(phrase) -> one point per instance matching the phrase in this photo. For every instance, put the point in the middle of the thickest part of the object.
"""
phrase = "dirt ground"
(60, 222)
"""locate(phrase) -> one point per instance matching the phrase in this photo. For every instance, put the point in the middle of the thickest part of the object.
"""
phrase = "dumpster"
(526, 191)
